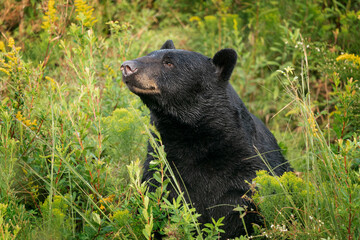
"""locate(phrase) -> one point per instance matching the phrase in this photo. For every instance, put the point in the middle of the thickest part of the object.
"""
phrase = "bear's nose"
(128, 68)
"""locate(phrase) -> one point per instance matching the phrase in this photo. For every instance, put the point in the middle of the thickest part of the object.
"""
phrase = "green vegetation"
(72, 137)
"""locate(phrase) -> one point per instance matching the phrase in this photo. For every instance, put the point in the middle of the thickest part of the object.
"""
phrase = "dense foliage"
(72, 137)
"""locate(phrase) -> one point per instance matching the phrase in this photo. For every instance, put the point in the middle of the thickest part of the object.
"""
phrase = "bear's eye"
(167, 63)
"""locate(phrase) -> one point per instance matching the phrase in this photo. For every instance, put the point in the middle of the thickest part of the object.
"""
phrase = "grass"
(72, 137)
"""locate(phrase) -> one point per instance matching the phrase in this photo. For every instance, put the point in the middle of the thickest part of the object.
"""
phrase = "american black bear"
(209, 136)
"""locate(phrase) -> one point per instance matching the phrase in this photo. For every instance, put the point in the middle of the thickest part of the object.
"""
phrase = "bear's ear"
(168, 45)
(225, 61)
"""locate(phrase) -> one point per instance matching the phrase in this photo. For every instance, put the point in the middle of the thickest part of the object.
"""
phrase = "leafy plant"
(69, 126)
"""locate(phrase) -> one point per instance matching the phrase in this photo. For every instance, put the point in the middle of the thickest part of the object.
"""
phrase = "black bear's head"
(178, 82)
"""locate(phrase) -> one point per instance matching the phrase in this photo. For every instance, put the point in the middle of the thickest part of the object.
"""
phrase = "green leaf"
(96, 218)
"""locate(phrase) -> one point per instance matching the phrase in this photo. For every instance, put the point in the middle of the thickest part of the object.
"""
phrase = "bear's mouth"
(138, 90)
(147, 87)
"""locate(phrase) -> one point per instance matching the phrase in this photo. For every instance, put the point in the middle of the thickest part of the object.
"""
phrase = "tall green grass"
(72, 137)
(324, 202)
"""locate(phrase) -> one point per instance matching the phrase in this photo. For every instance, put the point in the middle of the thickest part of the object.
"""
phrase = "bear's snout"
(128, 68)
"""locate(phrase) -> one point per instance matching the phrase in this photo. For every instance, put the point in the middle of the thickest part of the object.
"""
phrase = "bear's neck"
(207, 123)
(214, 119)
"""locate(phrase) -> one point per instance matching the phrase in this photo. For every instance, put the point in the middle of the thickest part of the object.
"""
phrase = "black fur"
(208, 134)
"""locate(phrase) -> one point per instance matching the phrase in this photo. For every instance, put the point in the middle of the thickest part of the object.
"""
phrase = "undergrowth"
(72, 137)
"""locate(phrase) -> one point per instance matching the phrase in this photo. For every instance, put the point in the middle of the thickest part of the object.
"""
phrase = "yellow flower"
(12, 59)
(52, 81)
(13, 63)
(25, 121)
(235, 26)
(19, 116)
(349, 57)
(110, 70)
(312, 122)
(195, 18)
(85, 13)
(108, 199)
(2, 46)
(6, 65)
(50, 16)
(4, 71)
(11, 42)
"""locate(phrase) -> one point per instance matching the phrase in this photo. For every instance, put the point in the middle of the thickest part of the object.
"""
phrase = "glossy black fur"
(208, 134)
